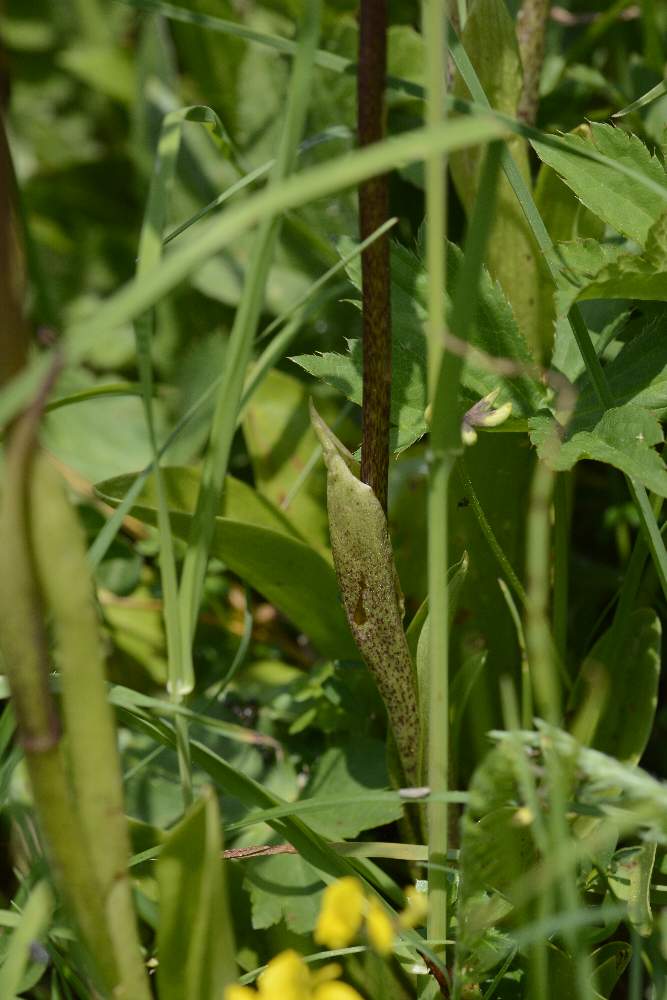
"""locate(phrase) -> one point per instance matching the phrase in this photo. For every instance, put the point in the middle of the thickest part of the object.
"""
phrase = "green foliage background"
(269, 713)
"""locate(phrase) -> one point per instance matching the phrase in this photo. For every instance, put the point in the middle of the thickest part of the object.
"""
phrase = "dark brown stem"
(373, 211)
(531, 25)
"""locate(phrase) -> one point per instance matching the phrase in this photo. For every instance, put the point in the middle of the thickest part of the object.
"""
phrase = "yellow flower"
(342, 911)
(415, 912)
(380, 927)
(336, 991)
(239, 993)
(287, 977)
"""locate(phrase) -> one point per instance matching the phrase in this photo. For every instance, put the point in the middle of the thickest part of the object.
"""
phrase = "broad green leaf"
(251, 793)
(99, 437)
(615, 696)
(638, 374)
(289, 888)
(595, 271)
(283, 887)
(194, 939)
(292, 576)
(371, 592)
(630, 876)
(513, 257)
(494, 331)
(561, 211)
(619, 200)
(353, 769)
(624, 437)
(240, 502)
(281, 441)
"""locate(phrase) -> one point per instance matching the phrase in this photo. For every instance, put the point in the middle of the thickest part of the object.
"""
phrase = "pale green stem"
(538, 567)
(434, 20)
(561, 563)
(489, 533)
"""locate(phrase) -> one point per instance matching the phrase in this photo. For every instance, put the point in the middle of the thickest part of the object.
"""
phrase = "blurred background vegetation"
(86, 84)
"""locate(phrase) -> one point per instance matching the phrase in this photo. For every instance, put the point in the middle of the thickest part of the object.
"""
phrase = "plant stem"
(489, 534)
(434, 14)
(561, 563)
(375, 282)
(531, 26)
(538, 637)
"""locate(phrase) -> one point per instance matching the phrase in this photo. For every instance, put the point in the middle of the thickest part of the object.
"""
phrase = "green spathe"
(371, 595)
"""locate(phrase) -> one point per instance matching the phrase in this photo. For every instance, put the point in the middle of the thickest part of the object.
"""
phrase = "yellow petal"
(239, 993)
(380, 928)
(286, 977)
(416, 910)
(341, 913)
(336, 991)
(332, 970)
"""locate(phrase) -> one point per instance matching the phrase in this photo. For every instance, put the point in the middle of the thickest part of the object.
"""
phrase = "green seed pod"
(370, 590)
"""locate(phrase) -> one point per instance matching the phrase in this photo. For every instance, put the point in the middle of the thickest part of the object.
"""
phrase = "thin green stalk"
(538, 562)
(180, 680)
(526, 721)
(488, 532)
(561, 563)
(434, 14)
(240, 343)
(375, 281)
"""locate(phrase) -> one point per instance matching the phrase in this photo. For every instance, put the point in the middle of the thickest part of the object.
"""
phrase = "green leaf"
(351, 770)
(240, 502)
(638, 374)
(610, 962)
(494, 331)
(595, 271)
(623, 437)
(194, 937)
(283, 887)
(281, 441)
(614, 706)
(630, 876)
(561, 211)
(288, 573)
(99, 437)
(651, 95)
(618, 199)
(288, 888)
